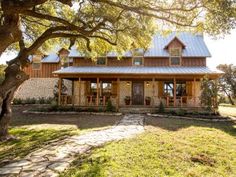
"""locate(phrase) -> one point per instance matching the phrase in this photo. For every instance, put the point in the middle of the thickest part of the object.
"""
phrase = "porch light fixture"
(147, 83)
(128, 83)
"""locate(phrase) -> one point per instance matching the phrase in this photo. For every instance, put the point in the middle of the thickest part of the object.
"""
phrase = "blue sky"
(222, 50)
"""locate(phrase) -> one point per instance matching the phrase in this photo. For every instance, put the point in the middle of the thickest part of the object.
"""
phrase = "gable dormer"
(36, 60)
(64, 57)
(175, 49)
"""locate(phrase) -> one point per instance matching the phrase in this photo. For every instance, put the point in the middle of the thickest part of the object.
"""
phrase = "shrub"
(90, 109)
(100, 109)
(17, 101)
(41, 100)
(181, 112)
(161, 108)
(109, 107)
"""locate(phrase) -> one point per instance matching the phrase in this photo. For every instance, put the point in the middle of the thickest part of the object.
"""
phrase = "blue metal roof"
(52, 58)
(194, 47)
(136, 70)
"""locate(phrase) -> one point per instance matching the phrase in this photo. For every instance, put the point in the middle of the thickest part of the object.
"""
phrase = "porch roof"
(136, 70)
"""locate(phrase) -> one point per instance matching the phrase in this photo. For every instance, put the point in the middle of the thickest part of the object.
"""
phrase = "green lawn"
(35, 131)
(169, 147)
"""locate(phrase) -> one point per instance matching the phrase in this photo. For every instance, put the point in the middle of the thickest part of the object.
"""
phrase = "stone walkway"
(56, 157)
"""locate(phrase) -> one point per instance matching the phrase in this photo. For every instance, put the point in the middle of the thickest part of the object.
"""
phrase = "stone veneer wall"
(40, 87)
(148, 91)
(125, 90)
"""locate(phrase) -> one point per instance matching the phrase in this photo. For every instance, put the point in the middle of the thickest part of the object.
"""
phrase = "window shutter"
(189, 89)
(114, 88)
(160, 88)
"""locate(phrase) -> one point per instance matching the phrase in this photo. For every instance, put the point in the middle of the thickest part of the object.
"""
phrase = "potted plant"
(127, 100)
(148, 100)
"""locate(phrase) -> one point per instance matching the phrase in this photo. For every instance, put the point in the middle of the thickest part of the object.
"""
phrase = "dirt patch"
(203, 159)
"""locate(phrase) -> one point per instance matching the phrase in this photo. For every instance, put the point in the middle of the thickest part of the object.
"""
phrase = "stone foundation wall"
(39, 87)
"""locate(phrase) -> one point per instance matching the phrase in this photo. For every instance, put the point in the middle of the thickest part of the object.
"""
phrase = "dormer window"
(101, 61)
(175, 56)
(138, 61)
(36, 62)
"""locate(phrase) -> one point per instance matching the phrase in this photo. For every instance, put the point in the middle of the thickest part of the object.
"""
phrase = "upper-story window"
(175, 56)
(137, 61)
(65, 61)
(36, 62)
(101, 61)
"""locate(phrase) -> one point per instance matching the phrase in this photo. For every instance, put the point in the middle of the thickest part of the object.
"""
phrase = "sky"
(223, 50)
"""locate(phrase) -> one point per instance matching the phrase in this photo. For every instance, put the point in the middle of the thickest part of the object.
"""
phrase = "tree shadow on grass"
(173, 124)
(80, 121)
(87, 165)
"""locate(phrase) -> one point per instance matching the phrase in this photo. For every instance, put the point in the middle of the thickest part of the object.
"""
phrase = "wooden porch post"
(59, 91)
(194, 92)
(79, 91)
(118, 94)
(97, 103)
(153, 91)
(73, 93)
(174, 92)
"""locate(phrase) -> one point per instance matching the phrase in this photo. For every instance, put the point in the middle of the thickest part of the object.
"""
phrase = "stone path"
(56, 157)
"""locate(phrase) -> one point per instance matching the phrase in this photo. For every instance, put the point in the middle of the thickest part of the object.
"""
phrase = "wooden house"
(169, 71)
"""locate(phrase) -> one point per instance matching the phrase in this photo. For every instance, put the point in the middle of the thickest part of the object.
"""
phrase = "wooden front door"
(137, 93)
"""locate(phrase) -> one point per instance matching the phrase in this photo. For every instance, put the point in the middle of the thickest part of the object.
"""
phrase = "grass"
(35, 131)
(29, 140)
(169, 147)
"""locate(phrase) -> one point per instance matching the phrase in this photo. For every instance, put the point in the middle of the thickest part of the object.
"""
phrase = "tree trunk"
(231, 100)
(14, 77)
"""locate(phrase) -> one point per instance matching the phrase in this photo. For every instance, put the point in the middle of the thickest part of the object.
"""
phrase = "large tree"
(227, 81)
(95, 26)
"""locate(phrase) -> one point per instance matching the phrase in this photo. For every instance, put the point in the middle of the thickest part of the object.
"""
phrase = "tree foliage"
(227, 81)
(2, 73)
(209, 93)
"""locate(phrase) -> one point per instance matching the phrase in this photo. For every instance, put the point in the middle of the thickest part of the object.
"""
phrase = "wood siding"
(156, 61)
(193, 61)
(45, 70)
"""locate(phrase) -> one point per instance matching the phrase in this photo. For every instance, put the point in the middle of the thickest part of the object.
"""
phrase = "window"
(65, 61)
(181, 89)
(175, 56)
(105, 89)
(93, 87)
(169, 89)
(36, 62)
(101, 61)
(137, 61)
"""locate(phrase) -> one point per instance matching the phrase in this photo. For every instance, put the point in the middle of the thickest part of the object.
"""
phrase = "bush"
(91, 109)
(161, 108)
(109, 107)
(17, 101)
(41, 100)
(100, 109)
(181, 112)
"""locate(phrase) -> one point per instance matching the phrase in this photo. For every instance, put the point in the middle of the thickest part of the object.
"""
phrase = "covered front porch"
(131, 92)
(133, 86)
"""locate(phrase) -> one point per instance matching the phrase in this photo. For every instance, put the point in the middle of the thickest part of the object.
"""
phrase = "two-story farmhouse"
(169, 71)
